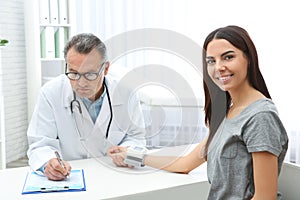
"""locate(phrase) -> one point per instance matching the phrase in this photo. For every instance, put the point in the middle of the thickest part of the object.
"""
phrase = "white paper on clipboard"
(36, 183)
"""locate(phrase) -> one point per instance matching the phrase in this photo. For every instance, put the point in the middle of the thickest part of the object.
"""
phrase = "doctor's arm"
(136, 132)
(42, 139)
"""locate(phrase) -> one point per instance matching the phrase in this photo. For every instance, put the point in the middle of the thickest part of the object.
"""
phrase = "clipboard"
(36, 183)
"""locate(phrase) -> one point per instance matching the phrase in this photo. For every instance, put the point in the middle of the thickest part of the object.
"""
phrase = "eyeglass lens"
(89, 75)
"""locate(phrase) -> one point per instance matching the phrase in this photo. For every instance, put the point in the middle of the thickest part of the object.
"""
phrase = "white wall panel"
(13, 78)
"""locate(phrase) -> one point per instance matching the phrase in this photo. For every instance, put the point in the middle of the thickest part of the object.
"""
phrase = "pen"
(59, 160)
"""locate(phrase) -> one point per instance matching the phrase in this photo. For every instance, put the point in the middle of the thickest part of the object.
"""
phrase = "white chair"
(289, 181)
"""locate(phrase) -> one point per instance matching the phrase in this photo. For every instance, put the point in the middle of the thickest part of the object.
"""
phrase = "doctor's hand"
(118, 154)
(54, 171)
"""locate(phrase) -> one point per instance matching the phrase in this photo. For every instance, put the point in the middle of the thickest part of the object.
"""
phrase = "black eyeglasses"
(91, 76)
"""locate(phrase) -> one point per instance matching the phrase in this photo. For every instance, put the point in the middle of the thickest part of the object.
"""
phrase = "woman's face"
(226, 65)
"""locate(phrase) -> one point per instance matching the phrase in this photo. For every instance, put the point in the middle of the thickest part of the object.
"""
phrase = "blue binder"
(36, 183)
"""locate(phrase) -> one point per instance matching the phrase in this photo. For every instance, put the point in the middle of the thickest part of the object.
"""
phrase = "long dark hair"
(217, 102)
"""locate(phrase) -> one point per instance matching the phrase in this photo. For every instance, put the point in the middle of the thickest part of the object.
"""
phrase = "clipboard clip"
(54, 189)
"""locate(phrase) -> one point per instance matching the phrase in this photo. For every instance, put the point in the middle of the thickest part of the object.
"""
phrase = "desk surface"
(105, 181)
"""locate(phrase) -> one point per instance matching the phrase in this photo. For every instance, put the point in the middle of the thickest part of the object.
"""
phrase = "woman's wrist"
(135, 156)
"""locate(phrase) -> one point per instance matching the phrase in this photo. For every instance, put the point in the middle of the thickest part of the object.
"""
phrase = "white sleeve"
(42, 134)
(136, 133)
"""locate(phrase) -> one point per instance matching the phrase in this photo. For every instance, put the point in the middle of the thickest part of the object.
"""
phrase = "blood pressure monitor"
(135, 156)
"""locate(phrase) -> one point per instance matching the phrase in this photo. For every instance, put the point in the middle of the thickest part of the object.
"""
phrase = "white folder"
(63, 11)
(47, 43)
(53, 5)
(44, 11)
(61, 37)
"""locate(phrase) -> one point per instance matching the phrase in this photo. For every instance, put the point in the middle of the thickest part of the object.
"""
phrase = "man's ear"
(107, 65)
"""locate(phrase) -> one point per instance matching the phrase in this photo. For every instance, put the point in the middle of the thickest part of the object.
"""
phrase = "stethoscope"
(75, 103)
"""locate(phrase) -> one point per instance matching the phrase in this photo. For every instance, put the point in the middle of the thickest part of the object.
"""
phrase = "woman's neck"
(244, 95)
(240, 100)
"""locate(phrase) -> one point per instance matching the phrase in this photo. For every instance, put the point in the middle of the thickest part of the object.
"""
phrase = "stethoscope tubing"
(75, 102)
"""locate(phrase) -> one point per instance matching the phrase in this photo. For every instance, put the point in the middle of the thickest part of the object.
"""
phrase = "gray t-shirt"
(229, 161)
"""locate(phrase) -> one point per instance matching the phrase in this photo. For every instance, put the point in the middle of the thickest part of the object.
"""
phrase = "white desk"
(105, 181)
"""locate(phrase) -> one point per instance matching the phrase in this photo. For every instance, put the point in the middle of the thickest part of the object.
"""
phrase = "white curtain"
(107, 19)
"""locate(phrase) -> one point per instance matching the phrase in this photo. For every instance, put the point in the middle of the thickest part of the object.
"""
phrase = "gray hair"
(84, 43)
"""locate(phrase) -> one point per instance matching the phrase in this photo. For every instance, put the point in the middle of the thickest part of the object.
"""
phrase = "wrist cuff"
(135, 156)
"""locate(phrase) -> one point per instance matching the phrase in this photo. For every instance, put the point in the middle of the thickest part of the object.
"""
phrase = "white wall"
(13, 78)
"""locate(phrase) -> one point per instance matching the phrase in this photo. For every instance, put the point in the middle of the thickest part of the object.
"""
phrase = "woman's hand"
(118, 154)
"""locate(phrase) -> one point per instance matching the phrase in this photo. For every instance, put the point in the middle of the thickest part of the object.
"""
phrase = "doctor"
(82, 113)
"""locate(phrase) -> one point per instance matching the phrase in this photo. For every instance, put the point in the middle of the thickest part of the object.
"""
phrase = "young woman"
(247, 141)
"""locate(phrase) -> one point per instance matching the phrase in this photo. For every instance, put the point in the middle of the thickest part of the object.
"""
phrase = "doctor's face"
(81, 64)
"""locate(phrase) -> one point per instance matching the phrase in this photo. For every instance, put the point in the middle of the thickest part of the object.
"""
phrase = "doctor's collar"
(87, 101)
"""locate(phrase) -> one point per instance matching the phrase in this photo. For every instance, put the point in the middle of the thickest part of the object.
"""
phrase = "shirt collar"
(99, 101)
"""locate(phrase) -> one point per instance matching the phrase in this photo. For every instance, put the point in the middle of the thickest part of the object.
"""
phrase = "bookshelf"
(48, 26)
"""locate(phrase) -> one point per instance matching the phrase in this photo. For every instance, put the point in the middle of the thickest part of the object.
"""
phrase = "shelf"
(40, 36)
(52, 59)
(55, 25)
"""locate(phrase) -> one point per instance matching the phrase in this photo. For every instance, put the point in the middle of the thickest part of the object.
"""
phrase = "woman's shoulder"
(262, 105)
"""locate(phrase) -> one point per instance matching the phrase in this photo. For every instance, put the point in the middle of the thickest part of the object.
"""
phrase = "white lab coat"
(52, 126)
